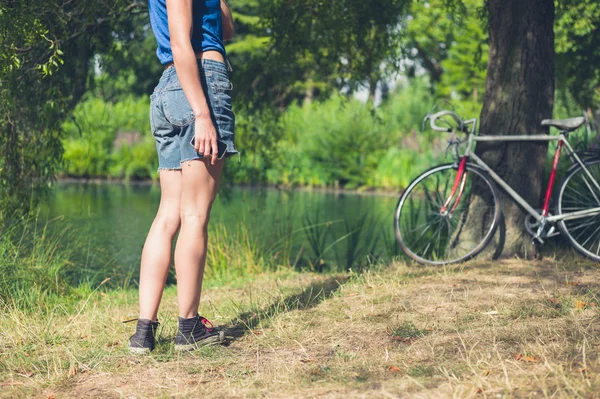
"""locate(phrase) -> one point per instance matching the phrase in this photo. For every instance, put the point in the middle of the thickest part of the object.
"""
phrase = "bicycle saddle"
(566, 125)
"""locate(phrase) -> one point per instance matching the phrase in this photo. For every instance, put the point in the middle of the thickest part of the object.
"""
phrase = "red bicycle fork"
(459, 186)
(546, 208)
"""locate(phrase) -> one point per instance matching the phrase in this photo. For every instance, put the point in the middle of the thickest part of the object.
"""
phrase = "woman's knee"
(195, 217)
(168, 220)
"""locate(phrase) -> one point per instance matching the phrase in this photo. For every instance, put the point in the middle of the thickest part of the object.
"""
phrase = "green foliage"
(343, 142)
(84, 158)
(577, 30)
(453, 50)
(316, 46)
(110, 140)
(129, 66)
(341, 138)
(466, 64)
(137, 161)
(428, 47)
(44, 63)
(256, 136)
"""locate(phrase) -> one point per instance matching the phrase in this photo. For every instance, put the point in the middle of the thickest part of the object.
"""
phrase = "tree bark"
(519, 94)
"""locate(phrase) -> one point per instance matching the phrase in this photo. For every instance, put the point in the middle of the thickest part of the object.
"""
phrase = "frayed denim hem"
(166, 169)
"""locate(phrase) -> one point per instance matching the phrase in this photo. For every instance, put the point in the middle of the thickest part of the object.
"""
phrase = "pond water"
(341, 229)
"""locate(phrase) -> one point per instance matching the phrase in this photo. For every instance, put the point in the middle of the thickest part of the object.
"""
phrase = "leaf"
(580, 304)
(394, 369)
(491, 312)
(527, 359)
(351, 295)
(573, 283)
(73, 370)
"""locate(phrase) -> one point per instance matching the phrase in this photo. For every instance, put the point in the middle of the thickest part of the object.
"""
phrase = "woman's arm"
(184, 58)
(226, 21)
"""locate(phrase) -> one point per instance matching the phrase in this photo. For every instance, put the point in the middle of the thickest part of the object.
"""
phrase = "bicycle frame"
(539, 217)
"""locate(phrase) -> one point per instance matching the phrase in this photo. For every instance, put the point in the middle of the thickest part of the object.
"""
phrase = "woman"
(192, 122)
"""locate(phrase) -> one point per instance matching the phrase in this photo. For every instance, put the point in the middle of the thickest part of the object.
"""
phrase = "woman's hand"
(206, 138)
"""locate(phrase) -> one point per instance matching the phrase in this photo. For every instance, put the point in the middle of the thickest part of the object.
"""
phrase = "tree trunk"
(519, 93)
(373, 80)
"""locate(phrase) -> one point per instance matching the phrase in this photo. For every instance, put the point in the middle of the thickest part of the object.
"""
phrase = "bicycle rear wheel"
(441, 219)
(577, 193)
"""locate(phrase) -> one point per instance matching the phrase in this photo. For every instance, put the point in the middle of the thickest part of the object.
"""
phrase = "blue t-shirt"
(207, 32)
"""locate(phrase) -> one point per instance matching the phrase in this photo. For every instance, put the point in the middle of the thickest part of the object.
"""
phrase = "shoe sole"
(139, 351)
(217, 339)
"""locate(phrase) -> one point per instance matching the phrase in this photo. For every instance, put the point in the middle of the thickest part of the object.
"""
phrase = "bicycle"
(450, 213)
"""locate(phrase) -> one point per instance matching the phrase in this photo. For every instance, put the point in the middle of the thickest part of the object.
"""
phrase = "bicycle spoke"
(584, 225)
(577, 196)
(579, 193)
(595, 231)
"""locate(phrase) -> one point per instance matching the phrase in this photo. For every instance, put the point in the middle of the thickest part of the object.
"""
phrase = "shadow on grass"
(557, 267)
(310, 297)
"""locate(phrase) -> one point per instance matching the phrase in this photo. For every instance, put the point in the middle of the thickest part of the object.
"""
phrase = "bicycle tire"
(567, 200)
(404, 208)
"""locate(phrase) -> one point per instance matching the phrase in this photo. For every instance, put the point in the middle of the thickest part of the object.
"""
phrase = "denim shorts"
(172, 118)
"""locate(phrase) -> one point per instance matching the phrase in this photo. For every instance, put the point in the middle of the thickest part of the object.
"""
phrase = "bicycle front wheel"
(442, 219)
(578, 193)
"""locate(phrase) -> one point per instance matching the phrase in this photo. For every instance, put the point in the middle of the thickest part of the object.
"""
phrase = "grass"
(504, 329)
(43, 261)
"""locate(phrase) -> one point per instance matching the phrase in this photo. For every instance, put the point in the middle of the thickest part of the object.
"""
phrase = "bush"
(137, 162)
(336, 142)
(110, 140)
(256, 136)
(344, 142)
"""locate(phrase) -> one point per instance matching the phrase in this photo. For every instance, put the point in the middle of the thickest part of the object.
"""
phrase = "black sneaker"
(196, 332)
(142, 342)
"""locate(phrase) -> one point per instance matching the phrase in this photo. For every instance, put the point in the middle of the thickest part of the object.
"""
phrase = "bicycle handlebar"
(441, 114)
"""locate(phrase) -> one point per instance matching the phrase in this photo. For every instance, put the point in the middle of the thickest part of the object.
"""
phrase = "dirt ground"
(491, 330)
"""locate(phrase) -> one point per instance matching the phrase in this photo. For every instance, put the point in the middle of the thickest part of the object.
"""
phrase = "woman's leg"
(199, 183)
(156, 255)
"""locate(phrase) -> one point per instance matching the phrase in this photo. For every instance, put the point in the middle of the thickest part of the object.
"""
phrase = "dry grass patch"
(502, 329)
